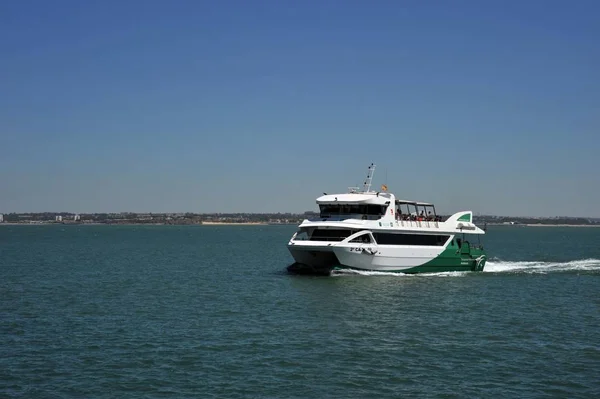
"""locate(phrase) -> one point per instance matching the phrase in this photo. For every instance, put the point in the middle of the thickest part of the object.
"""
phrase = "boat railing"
(418, 223)
(335, 218)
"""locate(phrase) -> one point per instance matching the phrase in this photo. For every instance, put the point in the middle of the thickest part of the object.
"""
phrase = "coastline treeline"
(270, 218)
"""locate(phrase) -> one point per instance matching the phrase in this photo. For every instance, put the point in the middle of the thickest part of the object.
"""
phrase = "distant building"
(76, 218)
(1, 218)
(58, 218)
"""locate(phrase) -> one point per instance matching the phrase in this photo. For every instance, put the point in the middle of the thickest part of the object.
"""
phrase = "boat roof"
(355, 198)
(365, 198)
(405, 202)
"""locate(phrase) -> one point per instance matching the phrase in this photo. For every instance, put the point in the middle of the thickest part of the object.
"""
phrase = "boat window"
(348, 209)
(330, 234)
(301, 235)
(363, 238)
(410, 239)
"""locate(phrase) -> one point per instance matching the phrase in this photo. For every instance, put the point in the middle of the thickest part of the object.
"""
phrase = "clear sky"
(258, 106)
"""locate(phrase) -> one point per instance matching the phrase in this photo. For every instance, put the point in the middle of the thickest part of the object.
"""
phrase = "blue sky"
(221, 106)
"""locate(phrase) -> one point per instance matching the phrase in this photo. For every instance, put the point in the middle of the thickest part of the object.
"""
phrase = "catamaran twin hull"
(323, 257)
(375, 231)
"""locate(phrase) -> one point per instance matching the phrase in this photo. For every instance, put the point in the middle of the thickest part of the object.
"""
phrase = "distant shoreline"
(560, 225)
(147, 224)
(541, 225)
(234, 224)
(260, 224)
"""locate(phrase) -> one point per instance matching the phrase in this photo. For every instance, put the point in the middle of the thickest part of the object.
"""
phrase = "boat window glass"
(410, 239)
(301, 235)
(363, 238)
(330, 234)
(349, 209)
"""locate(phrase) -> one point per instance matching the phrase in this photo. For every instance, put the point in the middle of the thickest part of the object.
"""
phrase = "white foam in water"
(541, 267)
(495, 266)
(353, 272)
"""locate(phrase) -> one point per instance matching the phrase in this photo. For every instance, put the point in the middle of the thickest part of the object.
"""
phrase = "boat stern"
(479, 256)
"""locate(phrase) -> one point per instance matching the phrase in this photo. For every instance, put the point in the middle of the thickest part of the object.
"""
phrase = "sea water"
(209, 311)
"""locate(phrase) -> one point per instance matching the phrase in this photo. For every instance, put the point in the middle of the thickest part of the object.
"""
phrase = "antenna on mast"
(385, 182)
(367, 184)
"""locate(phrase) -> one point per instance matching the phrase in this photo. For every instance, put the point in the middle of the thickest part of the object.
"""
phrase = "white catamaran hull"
(364, 256)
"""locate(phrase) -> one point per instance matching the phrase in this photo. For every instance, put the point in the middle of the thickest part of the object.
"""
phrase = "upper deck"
(381, 210)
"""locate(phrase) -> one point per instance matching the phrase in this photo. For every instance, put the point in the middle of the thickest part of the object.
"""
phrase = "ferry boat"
(374, 231)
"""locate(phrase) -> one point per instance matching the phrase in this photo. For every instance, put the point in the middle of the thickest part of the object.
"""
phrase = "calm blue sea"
(209, 311)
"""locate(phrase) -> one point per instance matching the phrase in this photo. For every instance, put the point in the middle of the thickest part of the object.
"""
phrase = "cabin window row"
(381, 238)
(410, 239)
(328, 210)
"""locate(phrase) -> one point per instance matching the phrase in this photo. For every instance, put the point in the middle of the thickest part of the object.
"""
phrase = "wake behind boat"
(374, 231)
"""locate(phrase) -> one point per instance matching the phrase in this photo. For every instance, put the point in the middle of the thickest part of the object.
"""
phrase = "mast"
(367, 183)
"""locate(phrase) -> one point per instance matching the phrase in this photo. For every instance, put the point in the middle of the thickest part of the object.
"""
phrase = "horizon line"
(475, 214)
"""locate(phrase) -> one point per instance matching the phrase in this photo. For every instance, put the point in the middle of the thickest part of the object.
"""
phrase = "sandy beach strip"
(234, 223)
